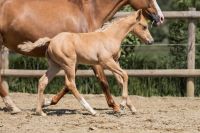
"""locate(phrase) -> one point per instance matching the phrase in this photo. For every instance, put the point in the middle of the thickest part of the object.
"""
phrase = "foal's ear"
(139, 15)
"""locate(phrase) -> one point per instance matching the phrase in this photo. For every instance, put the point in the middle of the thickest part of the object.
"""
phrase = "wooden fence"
(190, 73)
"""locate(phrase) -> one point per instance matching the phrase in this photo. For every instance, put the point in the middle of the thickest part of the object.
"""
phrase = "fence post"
(191, 54)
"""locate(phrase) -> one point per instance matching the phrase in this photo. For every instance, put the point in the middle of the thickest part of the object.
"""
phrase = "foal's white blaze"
(159, 11)
(87, 106)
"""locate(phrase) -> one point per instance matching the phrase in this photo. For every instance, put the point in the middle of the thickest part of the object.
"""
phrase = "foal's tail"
(29, 46)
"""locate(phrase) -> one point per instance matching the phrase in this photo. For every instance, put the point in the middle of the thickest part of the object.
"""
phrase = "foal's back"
(84, 48)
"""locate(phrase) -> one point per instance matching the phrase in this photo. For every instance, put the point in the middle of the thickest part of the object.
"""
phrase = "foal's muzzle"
(149, 41)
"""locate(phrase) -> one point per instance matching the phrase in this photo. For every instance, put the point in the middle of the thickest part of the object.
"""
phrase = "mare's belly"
(13, 39)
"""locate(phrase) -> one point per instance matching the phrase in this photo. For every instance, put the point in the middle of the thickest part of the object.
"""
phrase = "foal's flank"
(102, 47)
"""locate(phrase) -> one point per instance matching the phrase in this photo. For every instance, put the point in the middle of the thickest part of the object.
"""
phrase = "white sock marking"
(87, 106)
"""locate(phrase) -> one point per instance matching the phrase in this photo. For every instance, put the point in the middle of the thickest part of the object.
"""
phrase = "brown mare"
(28, 20)
(102, 47)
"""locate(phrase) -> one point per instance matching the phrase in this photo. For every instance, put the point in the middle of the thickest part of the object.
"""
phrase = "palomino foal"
(102, 47)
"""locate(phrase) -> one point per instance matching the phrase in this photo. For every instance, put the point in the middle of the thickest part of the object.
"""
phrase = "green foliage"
(127, 8)
(178, 35)
(185, 4)
(19, 61)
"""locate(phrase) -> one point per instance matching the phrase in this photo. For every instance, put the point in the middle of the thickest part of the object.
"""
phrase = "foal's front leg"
(122, 77)
(120, 82)
(128, 103)
(99, 73)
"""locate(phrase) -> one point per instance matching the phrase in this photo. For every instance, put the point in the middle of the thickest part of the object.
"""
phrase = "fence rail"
(88, 73)
(190, 73)
(170, 14)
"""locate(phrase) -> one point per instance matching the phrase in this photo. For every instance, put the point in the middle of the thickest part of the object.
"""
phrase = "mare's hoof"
(10, 105)
(15, 110)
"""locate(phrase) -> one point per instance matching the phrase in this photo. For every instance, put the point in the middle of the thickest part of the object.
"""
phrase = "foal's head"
(140, 29)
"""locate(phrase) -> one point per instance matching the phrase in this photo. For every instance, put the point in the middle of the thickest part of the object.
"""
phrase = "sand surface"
(155, 115)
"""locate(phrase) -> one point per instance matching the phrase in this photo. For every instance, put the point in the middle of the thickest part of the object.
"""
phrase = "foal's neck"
(120, 28)
(99, 11)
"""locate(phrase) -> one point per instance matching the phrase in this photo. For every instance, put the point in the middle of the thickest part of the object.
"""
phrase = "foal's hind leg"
(70, 84)
(43, 82)
(56, 98)
(99, 73)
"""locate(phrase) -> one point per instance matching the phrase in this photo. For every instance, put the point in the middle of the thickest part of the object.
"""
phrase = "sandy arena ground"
(155, 115)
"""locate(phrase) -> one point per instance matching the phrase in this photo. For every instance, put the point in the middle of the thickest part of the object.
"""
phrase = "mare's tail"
(29, 46)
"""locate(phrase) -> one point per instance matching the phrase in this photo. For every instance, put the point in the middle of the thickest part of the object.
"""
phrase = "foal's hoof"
(41, 113)
(95, 114)
(134, 111)
(116, 109)
(117, 114)
(122, 110)
(13, 109)
(47, 102)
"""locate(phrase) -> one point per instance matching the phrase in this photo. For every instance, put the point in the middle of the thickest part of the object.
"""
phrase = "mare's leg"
(3, 92)
(70, 84)
(115, 68)
(4, 89)
(99, 73)
(43, 82)
(7, 100)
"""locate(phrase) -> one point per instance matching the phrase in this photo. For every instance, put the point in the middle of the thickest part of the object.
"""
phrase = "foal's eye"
(144, 27)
